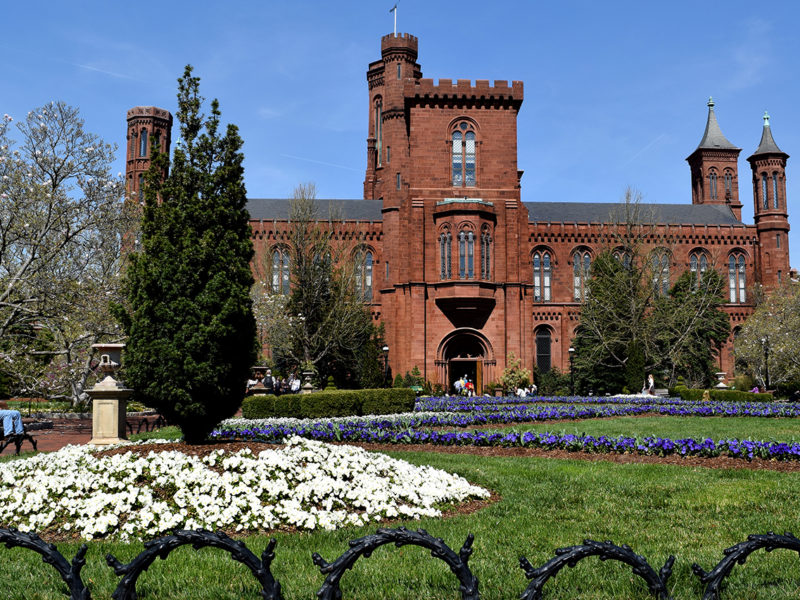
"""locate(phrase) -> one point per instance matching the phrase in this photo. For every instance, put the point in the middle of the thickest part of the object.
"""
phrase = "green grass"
(757, 428)
(546, 503)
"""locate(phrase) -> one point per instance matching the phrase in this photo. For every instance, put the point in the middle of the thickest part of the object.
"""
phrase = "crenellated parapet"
(463, 91)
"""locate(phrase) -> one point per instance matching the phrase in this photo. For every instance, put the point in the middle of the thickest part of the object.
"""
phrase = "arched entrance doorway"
(465, 352)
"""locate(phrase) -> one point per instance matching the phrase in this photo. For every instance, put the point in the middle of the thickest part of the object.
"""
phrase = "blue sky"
(615, 92)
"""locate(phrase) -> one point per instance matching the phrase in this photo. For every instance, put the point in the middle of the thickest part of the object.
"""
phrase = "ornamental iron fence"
(70, 571)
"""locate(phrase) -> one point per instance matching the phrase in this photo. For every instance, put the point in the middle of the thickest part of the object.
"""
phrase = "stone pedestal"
(109, 406)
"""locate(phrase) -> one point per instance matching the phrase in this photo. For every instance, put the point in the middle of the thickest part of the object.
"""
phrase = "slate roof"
(713, 137)
(767, 145)
(606, 212)
(352, 210)
(540, 212)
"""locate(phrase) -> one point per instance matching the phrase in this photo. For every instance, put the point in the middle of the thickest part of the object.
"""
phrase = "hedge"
(330, 403)
(718, 395)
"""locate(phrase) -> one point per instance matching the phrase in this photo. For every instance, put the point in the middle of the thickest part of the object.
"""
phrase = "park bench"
(15, 438)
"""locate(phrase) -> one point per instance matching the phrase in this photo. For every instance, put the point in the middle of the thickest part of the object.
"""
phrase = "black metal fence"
(70, 571)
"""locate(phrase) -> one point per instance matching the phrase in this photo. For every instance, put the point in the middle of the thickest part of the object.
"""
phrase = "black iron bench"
(15, 438)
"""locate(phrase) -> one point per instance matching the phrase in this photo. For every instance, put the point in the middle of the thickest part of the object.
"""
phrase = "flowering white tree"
(767, 343)
(62, 223)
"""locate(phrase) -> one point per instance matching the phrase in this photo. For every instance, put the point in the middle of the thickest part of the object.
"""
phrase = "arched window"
(141, 188)
(764, 201)
(581, 262)
(728, 184)
(143, 143)
(774, 190)
(542, 275)
(712, 185)
(364, 275)
(280, 271)
(445, 245)
(486, 254)
(463, 155)
(660, 262)
(378, 130)
(543, 349)
(736, 278)
(466, 254)
(623, 257)
(157, 139)
(133, 142)
(698, 264)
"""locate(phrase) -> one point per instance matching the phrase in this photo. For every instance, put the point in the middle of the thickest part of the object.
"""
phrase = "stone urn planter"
(109, 398)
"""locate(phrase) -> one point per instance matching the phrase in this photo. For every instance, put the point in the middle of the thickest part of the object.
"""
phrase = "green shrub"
(259, 407)
(331, 403)
(387, 401)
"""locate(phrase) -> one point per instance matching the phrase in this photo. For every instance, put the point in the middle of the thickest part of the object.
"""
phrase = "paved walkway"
(63, 433)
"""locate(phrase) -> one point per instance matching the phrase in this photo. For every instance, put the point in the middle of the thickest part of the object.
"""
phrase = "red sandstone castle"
(458, 268)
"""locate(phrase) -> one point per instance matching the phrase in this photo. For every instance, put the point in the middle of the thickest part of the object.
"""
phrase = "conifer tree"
(192, 335)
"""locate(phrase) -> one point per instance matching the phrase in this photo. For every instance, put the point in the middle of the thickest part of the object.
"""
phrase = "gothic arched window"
(581, 262)
(764, 201)
(445, 241)
(466, 254)
(775, 190)
(660, 262)
(364, 263)
(280, 271)
(712, 185)
(543, 349)
(143, 143)
(378, 130)
(736, 277)
(728, 184)
(542, 276)
(463, 155)
(486, 254)
(698, 265)
(141, 188)
(623, 257)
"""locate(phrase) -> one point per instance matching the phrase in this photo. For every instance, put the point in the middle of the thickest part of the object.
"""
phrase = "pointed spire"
(712, 137)
(767, 145)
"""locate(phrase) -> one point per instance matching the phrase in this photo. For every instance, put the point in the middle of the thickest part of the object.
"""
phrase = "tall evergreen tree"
(192, 335)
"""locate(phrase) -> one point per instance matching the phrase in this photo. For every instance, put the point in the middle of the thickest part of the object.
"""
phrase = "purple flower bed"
(461, 403)
(649, 446)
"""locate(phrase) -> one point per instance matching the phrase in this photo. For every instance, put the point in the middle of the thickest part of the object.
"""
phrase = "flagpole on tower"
(394, 10)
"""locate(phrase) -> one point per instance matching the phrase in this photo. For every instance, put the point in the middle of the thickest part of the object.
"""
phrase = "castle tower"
(714, 167)
(387, 141)
(144, 124)
(768, 163)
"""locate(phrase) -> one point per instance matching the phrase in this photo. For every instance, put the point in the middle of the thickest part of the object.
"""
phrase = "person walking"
(651, 385)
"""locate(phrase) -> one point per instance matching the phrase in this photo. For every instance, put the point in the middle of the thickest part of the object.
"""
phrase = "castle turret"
(145, 124)
(387, 141)
(768, 163)
(714, 167)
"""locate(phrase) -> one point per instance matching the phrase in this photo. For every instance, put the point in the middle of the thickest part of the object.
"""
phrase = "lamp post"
(765, 345)
(571, 371)
(385, 350)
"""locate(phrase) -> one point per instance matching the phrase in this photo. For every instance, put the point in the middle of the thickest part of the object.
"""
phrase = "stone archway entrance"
(465, 352)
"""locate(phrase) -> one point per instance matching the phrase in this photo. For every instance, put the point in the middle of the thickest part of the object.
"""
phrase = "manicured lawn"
(756, 428)
(658, 509)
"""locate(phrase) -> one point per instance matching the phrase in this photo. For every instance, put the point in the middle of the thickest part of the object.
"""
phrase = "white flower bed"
(307, 485)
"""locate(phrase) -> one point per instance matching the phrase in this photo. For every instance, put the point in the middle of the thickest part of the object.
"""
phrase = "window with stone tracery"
(736, 278)
(542, 276)
(463, 155)
(445, 241)
(581, 263)
(279, 276)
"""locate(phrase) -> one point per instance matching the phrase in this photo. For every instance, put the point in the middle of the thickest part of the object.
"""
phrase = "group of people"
(265, 382)
(524, 391)
(464, 387)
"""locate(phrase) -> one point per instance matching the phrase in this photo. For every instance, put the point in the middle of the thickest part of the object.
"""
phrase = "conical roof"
(767, 145)
(712, 137)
